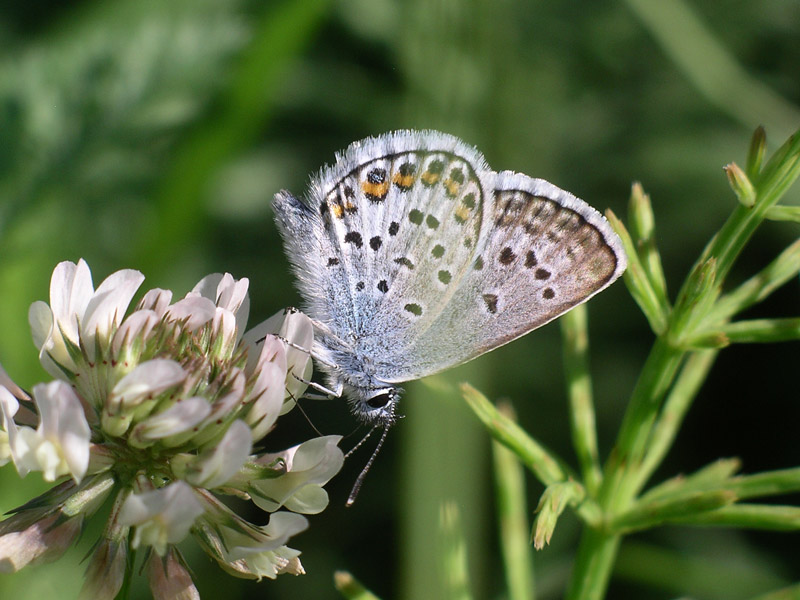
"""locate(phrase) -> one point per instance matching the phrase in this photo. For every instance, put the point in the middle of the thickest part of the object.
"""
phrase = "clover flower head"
(159, 407)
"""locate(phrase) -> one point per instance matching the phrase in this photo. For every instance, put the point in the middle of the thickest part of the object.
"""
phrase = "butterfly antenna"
(357, 485)
(360, 443)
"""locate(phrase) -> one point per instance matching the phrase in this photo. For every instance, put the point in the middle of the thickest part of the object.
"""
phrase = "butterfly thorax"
(352, 374)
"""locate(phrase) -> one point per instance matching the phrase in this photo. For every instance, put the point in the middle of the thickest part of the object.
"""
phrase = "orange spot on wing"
(403, 181)
(378, 190)
(429, 178)
(452, 187)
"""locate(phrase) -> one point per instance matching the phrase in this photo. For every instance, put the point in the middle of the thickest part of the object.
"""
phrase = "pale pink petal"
(207, 286)
(12, 387)
(64, 425)
(108, 305)
(169, 579)
(194, 309)
(48, 340)
(156, 300)
(269, 392)
(70, 291)
(41, 542)
(225, 330)
(232, 295)
(40, 318)
(282, 525)
(105, 572)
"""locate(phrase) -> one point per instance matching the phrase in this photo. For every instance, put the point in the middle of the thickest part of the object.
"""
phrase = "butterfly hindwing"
(545, 252)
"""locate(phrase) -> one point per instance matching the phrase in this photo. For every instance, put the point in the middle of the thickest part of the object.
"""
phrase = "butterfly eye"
(380, 400)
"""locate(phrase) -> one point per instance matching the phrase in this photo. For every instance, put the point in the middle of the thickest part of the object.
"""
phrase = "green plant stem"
(593, 565)
(657, 375)
(547, 467)
(511, 513)
(691, 377)
(455, 572)
(575, 334)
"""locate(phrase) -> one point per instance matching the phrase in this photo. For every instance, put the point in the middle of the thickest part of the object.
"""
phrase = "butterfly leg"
(329, 394)
(312, 354)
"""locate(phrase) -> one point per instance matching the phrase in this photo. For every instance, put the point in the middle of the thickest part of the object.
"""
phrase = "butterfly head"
(374, 405)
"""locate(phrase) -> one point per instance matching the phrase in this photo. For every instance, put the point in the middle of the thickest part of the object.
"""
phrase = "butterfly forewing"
(399, 231)
(545, 252)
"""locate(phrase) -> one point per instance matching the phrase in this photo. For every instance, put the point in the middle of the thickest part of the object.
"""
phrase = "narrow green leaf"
(637, 281)
(784, 213)
(778, 172)
(762, 331)
(548, 467)
(785, 266)
(716, 473)
(643, 232)
(713, 478)
(749, 516)
(769, 483)
(645, 515)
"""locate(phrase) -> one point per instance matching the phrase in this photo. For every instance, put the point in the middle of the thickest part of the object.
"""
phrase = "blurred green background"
(152, 135)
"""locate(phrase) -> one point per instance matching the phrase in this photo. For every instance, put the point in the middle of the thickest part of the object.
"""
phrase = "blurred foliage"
(152, 135)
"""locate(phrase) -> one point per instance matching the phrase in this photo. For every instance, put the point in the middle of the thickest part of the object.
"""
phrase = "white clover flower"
(160, 408)
(162, 516)
(306, 468)
(60, 446)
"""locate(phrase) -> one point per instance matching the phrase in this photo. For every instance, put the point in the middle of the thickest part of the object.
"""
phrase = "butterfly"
(413, 256)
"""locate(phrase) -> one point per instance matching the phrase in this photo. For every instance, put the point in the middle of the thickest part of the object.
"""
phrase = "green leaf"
(637, 281)
(643, 232)
(648, 514)
(748, 516)
(548, 467)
